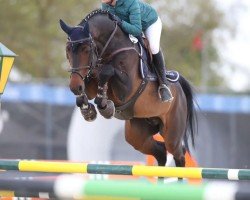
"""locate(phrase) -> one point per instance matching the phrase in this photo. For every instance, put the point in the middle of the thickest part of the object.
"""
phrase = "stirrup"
(169, 94)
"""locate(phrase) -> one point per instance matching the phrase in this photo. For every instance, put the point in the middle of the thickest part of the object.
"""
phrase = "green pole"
(142, 190)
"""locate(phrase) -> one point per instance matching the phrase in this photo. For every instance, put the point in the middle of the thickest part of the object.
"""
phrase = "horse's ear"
(67, 29)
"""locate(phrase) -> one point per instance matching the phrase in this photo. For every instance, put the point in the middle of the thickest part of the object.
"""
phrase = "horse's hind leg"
(139, 133)
(173, 137)
(177, 150)
(180, 160)
(160, 153)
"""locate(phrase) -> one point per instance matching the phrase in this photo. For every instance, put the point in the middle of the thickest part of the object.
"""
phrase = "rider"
(135, 17)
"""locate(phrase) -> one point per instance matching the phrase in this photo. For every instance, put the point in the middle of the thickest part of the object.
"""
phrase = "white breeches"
(153, 34)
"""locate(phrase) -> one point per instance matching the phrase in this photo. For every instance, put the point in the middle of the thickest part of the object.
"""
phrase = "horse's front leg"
(87, 109)
(105, 106)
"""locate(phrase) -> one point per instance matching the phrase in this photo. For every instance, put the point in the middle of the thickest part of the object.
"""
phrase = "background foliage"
(30, 28)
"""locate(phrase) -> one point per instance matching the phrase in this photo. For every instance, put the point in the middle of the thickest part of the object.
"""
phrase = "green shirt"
(136, 16)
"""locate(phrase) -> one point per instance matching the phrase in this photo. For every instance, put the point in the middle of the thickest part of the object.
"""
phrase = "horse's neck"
(125, 80)
(101, 28)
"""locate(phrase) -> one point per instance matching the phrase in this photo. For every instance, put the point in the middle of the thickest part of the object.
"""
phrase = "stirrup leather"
(163, 86)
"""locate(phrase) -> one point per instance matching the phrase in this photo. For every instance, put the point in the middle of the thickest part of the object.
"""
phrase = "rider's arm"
(134, 26)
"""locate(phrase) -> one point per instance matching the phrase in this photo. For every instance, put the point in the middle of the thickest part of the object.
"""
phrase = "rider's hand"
(116, 18)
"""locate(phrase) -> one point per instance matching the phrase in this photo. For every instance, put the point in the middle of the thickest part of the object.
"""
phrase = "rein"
(107, 43)
(115, 52)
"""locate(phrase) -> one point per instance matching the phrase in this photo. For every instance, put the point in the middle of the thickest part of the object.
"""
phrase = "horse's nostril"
(80, 89)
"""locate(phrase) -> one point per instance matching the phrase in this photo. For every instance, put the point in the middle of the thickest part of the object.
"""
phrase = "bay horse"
(104, 64)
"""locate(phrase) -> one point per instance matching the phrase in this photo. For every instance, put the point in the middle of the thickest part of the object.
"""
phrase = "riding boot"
(163, 89)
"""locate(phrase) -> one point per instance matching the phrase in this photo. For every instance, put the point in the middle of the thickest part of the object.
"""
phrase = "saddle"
(147, 69)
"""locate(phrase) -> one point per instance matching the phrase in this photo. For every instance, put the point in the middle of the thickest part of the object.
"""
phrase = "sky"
(235, 48)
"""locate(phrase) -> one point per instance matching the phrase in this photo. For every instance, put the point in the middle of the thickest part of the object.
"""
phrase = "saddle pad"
(147, 71)
(172, 76)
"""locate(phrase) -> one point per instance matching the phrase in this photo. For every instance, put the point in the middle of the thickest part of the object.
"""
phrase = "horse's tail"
(191, 128)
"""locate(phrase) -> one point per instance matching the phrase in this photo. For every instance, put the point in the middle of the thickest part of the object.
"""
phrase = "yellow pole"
(189, 172)
(59, 167)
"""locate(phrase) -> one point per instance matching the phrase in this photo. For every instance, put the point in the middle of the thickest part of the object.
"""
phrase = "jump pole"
(135, 170)
(74, 186)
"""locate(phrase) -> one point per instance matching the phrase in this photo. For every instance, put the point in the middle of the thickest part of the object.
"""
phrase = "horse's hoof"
(89, 114)
(109, 111)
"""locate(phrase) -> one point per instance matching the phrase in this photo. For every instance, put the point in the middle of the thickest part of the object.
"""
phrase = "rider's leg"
(163, 89)
(153, 33)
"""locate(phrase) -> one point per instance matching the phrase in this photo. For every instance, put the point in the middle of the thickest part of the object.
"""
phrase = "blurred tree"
(31, 29)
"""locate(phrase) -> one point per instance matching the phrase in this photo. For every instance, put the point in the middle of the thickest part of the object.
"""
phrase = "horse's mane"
(93, 13)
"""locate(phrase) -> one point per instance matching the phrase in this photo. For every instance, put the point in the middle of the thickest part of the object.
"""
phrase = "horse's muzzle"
(76, 84)
(77, 90)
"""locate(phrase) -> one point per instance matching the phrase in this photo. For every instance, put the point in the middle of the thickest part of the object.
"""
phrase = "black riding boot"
(163, 89)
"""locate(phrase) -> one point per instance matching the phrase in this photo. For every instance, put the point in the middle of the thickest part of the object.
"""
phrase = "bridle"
(75, 44)
(95, 59)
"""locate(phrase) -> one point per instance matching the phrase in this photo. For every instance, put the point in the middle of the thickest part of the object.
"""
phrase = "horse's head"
(86, 46)
(80, 52)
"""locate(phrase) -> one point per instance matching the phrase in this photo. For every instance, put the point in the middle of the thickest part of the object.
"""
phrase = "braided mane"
(93, 13)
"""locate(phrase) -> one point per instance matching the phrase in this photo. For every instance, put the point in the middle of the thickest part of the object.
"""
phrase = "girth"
(126, 111)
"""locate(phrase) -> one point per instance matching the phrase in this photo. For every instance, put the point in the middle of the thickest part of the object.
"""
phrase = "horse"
(104, 66)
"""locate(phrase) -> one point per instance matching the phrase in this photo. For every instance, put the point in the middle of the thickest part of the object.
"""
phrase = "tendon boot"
(163, 89)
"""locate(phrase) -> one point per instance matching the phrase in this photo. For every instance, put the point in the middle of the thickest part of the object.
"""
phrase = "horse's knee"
(105, 74)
